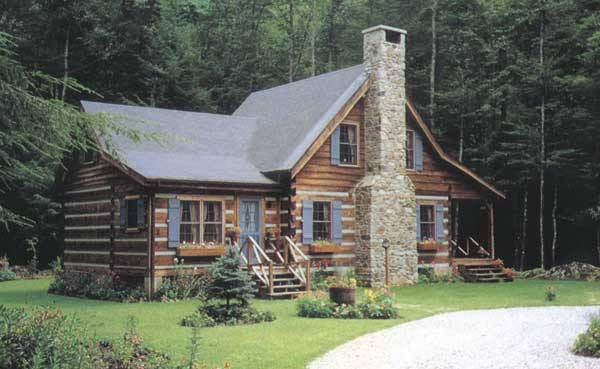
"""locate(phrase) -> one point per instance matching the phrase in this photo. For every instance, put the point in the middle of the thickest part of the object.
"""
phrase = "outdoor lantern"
(386, 245)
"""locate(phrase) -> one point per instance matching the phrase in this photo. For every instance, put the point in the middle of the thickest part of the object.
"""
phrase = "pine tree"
(228, 281)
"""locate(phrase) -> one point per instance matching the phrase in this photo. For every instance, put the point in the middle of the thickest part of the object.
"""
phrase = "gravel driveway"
(479, 339)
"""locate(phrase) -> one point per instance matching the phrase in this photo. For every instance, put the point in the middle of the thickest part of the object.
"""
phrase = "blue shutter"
(439, 222)
(174, 222)
(123, 212)
(418, 222)
(141, 212)
(335, 146)
(336, 221)
(418, 152)
(307, 222)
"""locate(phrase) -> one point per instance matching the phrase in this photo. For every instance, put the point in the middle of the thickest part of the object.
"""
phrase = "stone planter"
(325, 249)
(342, 295)
(200, 251)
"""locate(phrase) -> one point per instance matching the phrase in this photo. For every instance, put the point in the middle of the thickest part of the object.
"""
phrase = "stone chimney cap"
(384, 27)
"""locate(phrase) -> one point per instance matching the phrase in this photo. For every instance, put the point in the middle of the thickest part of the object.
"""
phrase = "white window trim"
(357, 165)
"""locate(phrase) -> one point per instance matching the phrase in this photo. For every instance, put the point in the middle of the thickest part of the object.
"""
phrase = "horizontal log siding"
(320, 180)
(164, 256)
(93, 238)
(437, 178)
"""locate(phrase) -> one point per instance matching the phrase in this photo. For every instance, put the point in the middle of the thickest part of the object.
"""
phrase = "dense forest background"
(510, 87)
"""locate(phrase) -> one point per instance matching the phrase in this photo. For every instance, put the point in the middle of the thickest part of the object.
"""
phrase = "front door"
(249, 218)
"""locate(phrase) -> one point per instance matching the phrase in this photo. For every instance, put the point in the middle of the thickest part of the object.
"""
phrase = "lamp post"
(386, 245)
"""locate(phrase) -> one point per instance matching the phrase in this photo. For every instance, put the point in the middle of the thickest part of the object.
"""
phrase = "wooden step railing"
(296, 261)
(470, 241)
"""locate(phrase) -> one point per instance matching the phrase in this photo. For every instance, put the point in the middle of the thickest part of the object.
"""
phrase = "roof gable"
(292, 116)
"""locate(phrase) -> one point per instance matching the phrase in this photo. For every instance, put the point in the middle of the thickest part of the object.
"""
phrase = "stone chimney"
(385, 198)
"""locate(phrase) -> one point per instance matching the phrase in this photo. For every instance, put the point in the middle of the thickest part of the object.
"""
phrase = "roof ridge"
(307, 79)
(170, 110)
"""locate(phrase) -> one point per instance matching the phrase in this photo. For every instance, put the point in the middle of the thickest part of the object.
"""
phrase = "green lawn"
(289, 342)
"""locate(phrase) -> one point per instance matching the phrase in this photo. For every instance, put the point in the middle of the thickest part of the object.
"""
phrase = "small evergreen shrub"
(378, 304)
(227, 297)
(588, 342)
(100, 286)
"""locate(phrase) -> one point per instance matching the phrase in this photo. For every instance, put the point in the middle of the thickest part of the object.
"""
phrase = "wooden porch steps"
(484, 271)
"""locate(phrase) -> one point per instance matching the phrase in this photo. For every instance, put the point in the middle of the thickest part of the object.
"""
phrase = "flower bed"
(378, 304)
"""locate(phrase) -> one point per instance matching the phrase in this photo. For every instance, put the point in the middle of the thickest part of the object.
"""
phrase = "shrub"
(588, 342)
(101, 286)
(378, 304)
(212, 314)
(7, 275)
(550, 293)
(184, 285)
(315, 306)
(428, 275)
(319, 279)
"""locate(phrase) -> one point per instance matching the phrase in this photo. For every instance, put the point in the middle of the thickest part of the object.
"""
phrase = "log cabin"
(334, 171)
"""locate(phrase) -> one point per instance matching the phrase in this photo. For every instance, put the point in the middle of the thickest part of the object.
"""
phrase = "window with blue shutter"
(335, 146)
(336, 221)
(307, 222)
(418, 152)
(174, 222)
(439, 222)
(418, 222)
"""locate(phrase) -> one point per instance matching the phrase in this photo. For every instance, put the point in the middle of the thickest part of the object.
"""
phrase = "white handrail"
(256, 246)
(295, 247)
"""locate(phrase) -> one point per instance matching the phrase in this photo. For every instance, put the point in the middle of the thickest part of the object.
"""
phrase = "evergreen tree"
(228, 281)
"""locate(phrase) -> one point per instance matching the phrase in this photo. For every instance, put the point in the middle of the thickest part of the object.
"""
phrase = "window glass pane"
(321, 220)
(189, 211)
(212, 233)
(212, 211)
(427, 222)
(348, 144)
(410, 149)
(132, 213)
(190, 233)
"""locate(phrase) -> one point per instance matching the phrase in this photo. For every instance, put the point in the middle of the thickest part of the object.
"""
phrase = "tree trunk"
(291, 40)
(313, 67)
(524, 228)
(65, 66)
(554, 223)
(542, 141)
(598, 242)
(433, 64)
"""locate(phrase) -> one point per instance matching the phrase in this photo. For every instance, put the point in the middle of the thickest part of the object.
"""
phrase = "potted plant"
(234, 233)
(342, 290)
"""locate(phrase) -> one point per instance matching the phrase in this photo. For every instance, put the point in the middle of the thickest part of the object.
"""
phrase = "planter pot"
(200, 251)
(325, 249)
(430, 247)
(342, 295)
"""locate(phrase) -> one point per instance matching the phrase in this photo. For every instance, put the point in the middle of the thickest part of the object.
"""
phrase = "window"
(427, 222)
(321, 221)
(201, 222)
(132, 214)
(212, 222)
(348, 144)
(410, 149)
(88, 156)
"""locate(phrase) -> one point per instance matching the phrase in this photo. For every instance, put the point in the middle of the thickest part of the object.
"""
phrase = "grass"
(290, 342)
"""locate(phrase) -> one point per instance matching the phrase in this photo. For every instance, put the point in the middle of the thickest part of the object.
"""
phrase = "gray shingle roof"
(291, 116)
(270, 131)
(199, 146)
